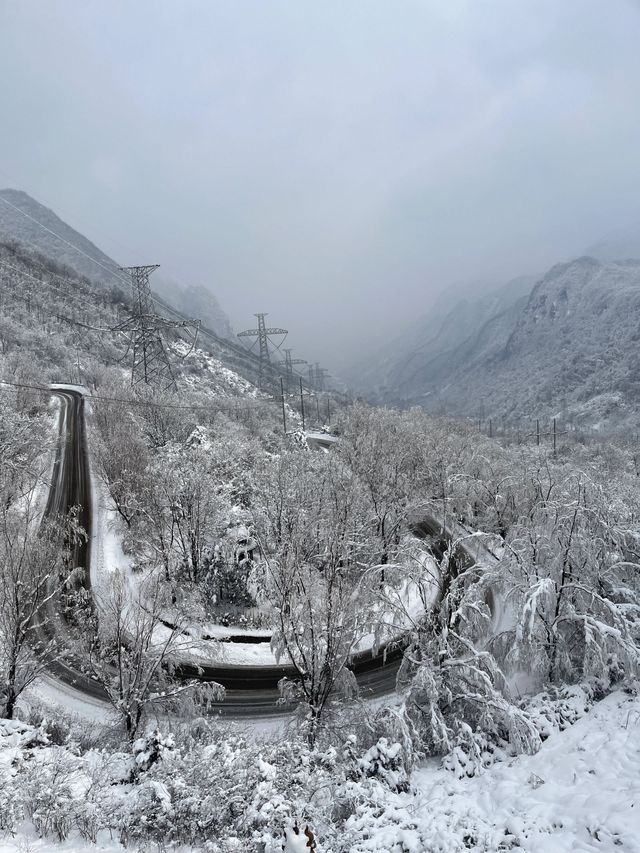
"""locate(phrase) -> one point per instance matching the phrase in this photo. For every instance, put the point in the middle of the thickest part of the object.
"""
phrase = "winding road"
(250, 691)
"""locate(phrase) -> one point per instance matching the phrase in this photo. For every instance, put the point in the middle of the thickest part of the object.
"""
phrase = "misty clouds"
(335, 164)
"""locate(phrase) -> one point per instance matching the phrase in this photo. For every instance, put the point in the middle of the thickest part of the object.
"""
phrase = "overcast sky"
(336, 164)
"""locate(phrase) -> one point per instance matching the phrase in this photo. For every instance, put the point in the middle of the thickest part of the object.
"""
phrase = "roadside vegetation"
(510, 574)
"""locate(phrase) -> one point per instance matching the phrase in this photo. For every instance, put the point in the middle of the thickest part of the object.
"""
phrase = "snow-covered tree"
(572, 569)
(34, 575)
(313, 542)
(134, 654)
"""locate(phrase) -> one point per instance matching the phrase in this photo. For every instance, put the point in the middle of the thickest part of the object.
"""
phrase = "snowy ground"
(581, 792)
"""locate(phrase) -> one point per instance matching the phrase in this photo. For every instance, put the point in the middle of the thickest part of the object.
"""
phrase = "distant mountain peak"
(568, 346)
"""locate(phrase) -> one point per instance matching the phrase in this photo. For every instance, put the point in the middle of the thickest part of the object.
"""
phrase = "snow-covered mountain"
(24, 219)
(572, 348)
(196, 301)
(30, 223)
(568, 348)
(459, 328)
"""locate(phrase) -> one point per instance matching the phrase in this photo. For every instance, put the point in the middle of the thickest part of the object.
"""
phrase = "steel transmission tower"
(317, 376)
(322, 378)
(263, 337)
(151, 364)
(311, 381)
(288, 363)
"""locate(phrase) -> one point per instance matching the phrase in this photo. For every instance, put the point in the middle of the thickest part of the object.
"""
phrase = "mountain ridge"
(566, 349)
(26, 220)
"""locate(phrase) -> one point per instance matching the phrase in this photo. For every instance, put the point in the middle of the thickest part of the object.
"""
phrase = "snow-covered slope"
(414, 366)
(572, 349)
(569, 349)
(24, 219)
(580, 792)
(196, 301)
(15, 225)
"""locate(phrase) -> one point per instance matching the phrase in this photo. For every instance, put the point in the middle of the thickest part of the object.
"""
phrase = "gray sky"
(336, 164)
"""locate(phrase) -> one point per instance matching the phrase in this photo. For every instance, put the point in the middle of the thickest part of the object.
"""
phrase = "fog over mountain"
(564, 347)
(362, 577)
(338, 167)
(28, 222)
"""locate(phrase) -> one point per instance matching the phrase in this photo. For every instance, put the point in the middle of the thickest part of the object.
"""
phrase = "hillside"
(571, 350)
(459, 328)
(24, 219)
(568, 350)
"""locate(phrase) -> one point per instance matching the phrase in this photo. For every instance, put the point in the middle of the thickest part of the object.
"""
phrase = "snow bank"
(579, 792)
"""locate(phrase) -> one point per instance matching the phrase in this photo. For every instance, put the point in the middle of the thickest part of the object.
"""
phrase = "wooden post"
(302, 404)
(538, 432)
(490, 428)
(554, 436)
(318, 409)
(284, 412)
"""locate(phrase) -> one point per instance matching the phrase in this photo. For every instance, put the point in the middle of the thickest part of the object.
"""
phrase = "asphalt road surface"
(251, 691)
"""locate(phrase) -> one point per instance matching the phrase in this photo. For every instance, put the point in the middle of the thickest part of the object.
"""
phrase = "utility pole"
(151, 364)
(284, 412)
(77, 362)
(263, 337)
(302, 404)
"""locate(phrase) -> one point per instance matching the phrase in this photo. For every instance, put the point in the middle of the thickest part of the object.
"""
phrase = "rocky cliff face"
(198, 302)
(573, 348)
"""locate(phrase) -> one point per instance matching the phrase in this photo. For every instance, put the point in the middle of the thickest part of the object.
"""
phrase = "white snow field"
(580, 792)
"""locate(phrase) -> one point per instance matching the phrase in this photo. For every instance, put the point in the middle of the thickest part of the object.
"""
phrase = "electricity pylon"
(320, 374)
(311, 381)
(288, 367)
(317, 377)
(263, 337)
(151, 364)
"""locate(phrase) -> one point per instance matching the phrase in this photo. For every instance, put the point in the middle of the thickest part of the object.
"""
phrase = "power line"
(45, 283)
(160, 303)
(151, 363)
(28, 300)
(263, 337)
(59, 237)
(232, 402)
(111, 272)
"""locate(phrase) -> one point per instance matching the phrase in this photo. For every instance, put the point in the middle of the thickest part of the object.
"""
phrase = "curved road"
(250, 691)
